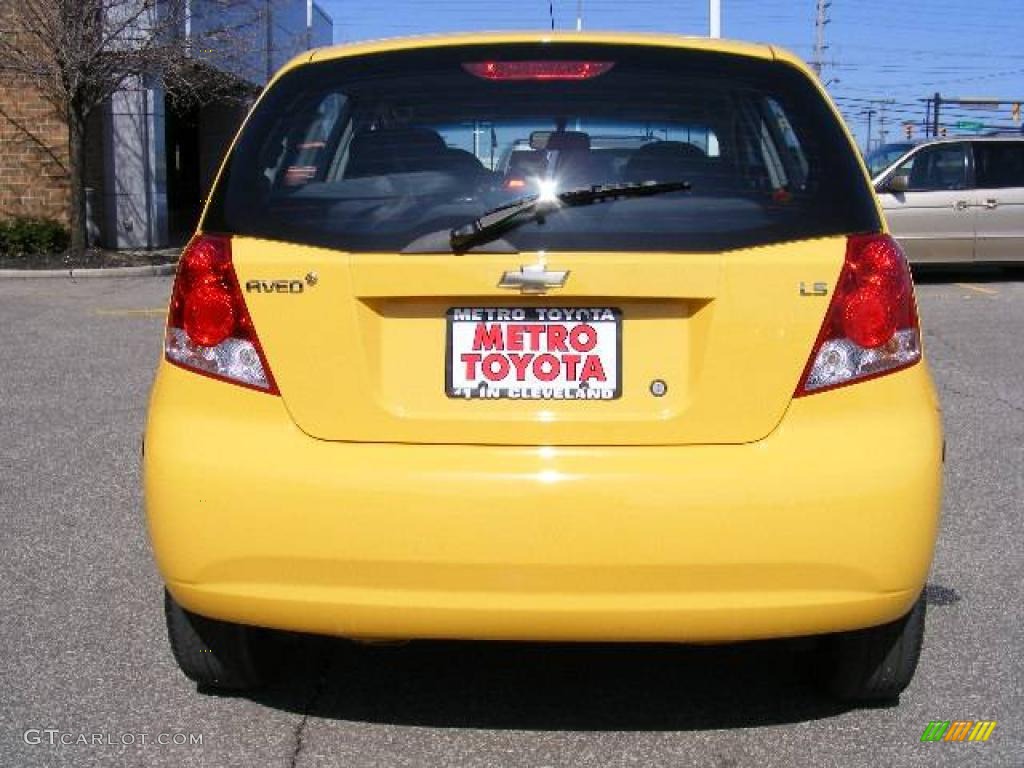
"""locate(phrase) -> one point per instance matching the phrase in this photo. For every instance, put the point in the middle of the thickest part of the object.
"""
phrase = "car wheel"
(215, 654)
(875, 664)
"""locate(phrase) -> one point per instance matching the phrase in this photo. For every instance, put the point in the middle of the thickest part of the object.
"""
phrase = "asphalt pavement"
(83, 654)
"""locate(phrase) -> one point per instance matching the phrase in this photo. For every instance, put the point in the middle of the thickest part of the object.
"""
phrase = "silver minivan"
(958, 199)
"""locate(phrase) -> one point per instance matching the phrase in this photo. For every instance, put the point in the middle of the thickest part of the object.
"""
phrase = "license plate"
(534, 353)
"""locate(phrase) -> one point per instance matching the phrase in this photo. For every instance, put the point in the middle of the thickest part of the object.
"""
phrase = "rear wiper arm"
(506, 217)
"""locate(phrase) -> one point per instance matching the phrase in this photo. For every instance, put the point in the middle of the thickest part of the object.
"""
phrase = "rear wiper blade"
(506, 217)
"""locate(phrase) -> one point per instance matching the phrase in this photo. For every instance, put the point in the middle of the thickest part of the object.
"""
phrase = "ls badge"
(815, 289)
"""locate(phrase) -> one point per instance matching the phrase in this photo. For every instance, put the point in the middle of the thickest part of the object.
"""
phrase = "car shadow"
(539, 686)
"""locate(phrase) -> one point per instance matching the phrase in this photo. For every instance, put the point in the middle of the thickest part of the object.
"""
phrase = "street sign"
(969, 125)
(975, 102)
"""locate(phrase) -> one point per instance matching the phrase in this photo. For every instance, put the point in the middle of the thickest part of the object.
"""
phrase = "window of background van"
(940, 167)
(999, 165)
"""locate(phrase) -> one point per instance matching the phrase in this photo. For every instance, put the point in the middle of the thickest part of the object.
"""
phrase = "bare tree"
(77, 53)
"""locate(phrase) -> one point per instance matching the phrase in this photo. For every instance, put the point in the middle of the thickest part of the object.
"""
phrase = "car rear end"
(694, 416)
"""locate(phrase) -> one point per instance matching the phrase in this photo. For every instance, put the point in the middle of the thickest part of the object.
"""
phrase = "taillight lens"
(208, 327)
(871, 327)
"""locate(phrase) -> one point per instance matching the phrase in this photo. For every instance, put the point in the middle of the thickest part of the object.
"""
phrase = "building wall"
(231, 37)
(262, 38)
(125, 153)
(135, 172)
(322, 27)
(33, 154)
(289, 34)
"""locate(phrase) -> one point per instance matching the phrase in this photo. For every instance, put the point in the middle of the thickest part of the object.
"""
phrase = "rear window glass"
(375, 153)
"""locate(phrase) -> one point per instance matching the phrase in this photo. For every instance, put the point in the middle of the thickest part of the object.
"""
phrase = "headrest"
(670, 150)
(398, 139)
(568, 141)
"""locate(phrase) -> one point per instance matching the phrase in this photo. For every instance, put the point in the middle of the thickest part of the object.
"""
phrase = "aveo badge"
(281, 286)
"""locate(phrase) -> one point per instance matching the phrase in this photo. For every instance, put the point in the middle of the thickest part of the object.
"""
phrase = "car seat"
(672, 161)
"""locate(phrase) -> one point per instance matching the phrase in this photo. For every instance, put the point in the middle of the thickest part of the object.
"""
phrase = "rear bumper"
(827, 524)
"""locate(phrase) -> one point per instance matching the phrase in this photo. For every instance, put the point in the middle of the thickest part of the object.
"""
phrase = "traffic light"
(908, 128)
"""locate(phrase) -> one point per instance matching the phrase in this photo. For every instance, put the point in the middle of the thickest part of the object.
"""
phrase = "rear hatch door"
(709, 346)
(683, 317)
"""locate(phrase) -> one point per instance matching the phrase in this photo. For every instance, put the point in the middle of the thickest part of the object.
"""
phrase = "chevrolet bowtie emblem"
(534, 278)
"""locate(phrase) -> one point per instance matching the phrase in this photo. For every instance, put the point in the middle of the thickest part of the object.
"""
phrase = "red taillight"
(209, 314)
(208, 327)
(537, 70)
(871, 327)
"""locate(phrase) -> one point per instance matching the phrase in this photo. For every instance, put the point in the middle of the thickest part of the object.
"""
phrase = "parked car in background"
(958, 200)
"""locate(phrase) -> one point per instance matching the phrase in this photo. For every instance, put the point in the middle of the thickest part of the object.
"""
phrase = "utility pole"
(935, 115)
(882, 133)
(579, 15)
(309, 24)
(820, 20)
(269, 19)
(714, 18)
(870, 111)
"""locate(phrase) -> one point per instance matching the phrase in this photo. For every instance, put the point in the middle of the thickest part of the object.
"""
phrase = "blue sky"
(903, 50)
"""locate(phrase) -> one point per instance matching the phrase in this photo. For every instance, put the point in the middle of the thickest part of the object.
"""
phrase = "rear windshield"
(381, 152)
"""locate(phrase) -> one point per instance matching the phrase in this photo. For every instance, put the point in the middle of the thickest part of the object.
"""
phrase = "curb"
(149, 270)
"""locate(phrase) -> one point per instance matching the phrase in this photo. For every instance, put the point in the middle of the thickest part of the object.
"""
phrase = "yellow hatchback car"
(544, 337)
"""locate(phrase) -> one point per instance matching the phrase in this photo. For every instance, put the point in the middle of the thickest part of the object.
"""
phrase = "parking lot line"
(979, 289)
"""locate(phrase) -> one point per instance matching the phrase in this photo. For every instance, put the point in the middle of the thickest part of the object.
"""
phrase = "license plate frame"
(604, 320)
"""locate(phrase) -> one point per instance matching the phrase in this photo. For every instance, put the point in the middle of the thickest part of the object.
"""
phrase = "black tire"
(875, 665)
(215, 654)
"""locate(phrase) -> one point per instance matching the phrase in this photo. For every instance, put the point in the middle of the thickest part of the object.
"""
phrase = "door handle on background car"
(960, 205)
(991, 203)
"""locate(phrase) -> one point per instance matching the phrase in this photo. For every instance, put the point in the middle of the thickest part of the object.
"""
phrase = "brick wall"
(33, 154)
